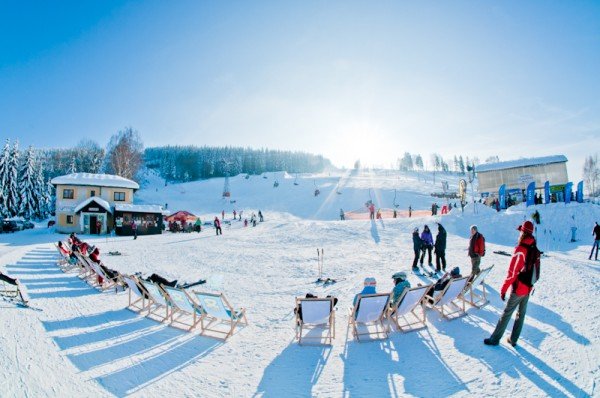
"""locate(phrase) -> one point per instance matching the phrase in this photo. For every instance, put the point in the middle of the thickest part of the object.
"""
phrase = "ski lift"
(226, 190)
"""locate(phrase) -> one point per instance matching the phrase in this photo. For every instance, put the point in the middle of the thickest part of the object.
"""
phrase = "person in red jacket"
(520, 292)
(217, 225)
(476, 250)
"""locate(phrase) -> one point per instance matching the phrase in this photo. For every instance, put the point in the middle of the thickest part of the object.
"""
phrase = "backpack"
(530, 273)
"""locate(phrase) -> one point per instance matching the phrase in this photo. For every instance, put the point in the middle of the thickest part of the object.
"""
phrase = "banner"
(502, 196)
(580, 192)
(531, 194)
(547, 192)
(568, 189)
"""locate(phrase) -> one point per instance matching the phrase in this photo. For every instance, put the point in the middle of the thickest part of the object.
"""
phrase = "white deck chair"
(63, 259)
(315, 313)
(445, 301)
(136, 293)
(10, 287)
(185, 307)
(478, 300)
(107, 281)
(86, 272)
(158, 300)
(408, 304)
(217, 309)
(370, 309)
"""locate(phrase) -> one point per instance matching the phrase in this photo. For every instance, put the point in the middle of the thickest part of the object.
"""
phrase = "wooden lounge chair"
(445, 301)
(137, 295)
(410, 305)
(370, 310)
(476, 299)
(184, 307)
(315, 313)
(216, 309)
(10, 287)
(158, 301)
(107, 281)
(86, 272)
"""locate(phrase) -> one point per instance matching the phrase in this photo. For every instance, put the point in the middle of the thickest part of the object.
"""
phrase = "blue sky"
(350, 80)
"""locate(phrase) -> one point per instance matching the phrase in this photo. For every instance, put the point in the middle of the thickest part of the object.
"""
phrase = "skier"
(476, 250)
(427, 239)
(217, 225)
(198, 225)
(134, 229)
(440, 249)
(372, 211)
(520, 291)
(595, 232)
(400, 284)
(234, 213)
(395, 213)
(409, 211)
(417, 243)
(222, 214)
(536, 217)
(379, 214)
(245, 222)
(342, 216)
(241, 211)
(260, 216)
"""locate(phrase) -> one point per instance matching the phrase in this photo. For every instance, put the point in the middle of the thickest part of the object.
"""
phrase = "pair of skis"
(424, 272)
(321, 280)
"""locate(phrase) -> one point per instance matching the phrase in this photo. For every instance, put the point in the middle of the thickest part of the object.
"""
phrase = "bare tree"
(591, 174)
(124, 153)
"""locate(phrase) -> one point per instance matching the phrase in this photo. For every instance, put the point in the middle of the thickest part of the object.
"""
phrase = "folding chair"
(408, 304)
(107, 281)
(445, 301)
(370, 309)
(478, 300)
(136, 290)
(317, 313)
(158, 300)
(10, 287)
(185, 307)
(218, 310)
(86, 272)
(63, 258)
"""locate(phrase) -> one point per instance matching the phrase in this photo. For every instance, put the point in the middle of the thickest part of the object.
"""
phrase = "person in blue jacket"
(427, 239)
(370, 286)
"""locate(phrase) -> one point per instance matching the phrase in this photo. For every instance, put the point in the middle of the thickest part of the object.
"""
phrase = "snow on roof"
(98, 180)
(524, 162)
(101, 202)
(139, 208)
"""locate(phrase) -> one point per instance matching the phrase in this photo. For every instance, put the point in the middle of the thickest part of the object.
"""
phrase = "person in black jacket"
(596, 233)
(417, 244)
(440, 249)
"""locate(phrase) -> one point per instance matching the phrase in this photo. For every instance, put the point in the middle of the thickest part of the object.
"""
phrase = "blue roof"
(524, 162)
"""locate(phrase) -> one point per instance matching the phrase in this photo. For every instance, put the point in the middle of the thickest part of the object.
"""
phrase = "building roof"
(101, 202)
(524, 162)
(139, 208)
(97, 180)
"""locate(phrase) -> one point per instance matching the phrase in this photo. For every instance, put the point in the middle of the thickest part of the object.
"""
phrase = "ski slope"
(84, 343)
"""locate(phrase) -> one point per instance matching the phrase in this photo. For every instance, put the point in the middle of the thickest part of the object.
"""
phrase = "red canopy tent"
(181, 216)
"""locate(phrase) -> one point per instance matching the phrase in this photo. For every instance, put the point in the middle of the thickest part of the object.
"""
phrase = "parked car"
(28, 224)
(10, 226)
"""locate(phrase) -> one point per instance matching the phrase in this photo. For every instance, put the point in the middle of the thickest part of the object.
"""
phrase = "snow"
(101, 202)
(97, 180)
(85, 343)
(524, 162)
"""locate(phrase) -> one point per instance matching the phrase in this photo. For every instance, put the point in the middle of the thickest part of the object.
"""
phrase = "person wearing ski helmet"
(400, 284)
(520, 292)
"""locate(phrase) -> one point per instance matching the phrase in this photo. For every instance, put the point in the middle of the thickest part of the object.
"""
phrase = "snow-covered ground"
(84, 343)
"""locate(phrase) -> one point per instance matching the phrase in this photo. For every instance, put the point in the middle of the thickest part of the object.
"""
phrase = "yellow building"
(85, 202)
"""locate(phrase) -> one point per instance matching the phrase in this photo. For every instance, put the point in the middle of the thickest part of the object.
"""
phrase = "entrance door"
(93, 229)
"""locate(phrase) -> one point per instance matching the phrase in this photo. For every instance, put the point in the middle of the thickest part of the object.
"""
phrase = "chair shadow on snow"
(294, 371)
(515, 363)
(370, 368)
(375, 232)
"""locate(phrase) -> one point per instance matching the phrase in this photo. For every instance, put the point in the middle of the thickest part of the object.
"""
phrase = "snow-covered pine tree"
(12, 188)
(28, 205)
(4, 161)
(50, 195)
(41, 191)
(73, 166)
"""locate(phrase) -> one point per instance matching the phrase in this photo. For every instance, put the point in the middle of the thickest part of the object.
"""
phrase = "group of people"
(424, 244)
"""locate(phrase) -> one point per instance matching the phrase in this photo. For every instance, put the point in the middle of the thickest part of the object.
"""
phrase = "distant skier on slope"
(217, 225)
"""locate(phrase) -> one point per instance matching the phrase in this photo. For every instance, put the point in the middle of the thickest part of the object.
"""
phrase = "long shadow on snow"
(375, 232)
(371, 368)
(70, 293)
(85, 321)
(294, 371)
(502, 360)
(175, 357)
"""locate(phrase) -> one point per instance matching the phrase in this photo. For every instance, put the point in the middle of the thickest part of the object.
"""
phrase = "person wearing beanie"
(400, 284)
(520, 291)
(370, 285)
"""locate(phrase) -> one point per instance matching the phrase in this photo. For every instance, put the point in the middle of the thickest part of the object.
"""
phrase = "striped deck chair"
(158, 301)
(217, 310)
(410, 305)
(106, 281)
(370, 309)
(137, 294)
(86, 272)
(63, 260)
(185, 307)
(478, 300)
(315, 313)
(445, 301)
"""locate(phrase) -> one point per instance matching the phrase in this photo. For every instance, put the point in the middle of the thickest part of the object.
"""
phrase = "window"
(119, 196)
(92, 193)
(69, 219)
(68, 194)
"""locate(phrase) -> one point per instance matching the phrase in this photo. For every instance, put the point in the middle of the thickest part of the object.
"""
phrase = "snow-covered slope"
(84, 343)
